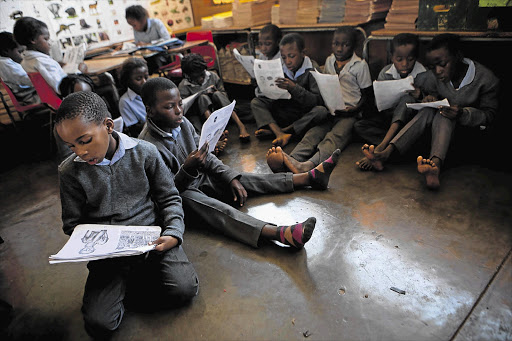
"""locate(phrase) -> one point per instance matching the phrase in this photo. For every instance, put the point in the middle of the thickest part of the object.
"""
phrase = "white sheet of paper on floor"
(94, 241)
(330, 89)
(214, 126)
(266, 72)
(388, 93)
(435, 105)
(246, 61)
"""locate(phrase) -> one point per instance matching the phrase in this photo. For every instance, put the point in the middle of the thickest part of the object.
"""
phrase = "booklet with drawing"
(214, 126)
(73, 56)
(330, 89)
(93, 241)
(246, 61)
(266, 72)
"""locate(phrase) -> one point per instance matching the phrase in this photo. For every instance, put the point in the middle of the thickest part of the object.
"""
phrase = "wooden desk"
(148, 53)
(97, 66)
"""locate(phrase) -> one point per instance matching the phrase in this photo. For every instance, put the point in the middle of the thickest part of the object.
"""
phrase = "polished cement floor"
(449, 251)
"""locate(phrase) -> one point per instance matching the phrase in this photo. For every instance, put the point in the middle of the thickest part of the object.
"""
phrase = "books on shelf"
(366, 10)
(93, 241)
(248, 13)
(302, 12)
(402, 15)
(332, 11)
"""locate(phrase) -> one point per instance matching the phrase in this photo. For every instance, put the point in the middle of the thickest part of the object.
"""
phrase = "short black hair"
(291, 38)
(27, 29)
(274, 31)
(86, 104)
(126, 70)
(67, 84)
(449, 41)
(350, 31)
(192, 62)
(153, 86)
(402, 39)
(7, 42)
(136, 12)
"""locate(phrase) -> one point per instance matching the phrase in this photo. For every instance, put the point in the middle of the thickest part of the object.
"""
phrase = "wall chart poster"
(95, 22)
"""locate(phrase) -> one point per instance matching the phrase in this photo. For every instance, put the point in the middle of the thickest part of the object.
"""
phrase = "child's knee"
(182, 289)
(100, 322)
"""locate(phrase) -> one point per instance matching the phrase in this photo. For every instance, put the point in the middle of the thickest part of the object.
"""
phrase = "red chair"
(46, 93)
(209, 52)
(171, 70)
(21, 109)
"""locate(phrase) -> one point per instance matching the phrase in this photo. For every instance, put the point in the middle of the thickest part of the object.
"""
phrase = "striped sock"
(296, 235)
(319, 176)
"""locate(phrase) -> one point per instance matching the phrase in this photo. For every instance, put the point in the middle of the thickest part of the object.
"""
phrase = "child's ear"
(149, 112)
(109, 124)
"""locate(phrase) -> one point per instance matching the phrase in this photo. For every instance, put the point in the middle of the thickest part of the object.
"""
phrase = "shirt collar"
(418, 68)
(124, 143)
(149, 25)
(173, 134)
(132, 94)
(306, 64)
(470, 74)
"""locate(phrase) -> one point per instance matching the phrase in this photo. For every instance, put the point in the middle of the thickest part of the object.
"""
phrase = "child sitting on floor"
(34, 35)
(284, 118)
(196, 79)
(113, 179)
(206, 185)
(12, 73)
(471, 90)
(404, 55)
(134, 73)
(336, 132)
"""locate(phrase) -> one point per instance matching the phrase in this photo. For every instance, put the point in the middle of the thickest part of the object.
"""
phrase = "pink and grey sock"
(319, 176)
(296, 235)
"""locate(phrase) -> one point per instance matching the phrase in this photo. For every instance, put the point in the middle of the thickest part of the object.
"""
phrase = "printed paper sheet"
(266, 72)
(330, 89)
(388, 93)
(215, 125)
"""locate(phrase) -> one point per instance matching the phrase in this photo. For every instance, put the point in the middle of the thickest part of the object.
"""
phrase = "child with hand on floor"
(472, 91)
(34, 35)
(196, 79)
(113, 179)
(207, 186)
(404, 55)
(134, 73)
(335, 132)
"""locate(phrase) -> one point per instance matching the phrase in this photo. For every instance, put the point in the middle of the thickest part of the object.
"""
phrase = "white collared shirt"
(354, 76)
(306, 64)
(52, 72)
(125, 142)
(418, 68)
(470, 74)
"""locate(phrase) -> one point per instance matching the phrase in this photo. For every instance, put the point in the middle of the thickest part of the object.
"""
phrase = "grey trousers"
(280, 112)
(208, 200)
(211, 102)
(442, 131)
(374, 129)
(322, 140)
(166, 277)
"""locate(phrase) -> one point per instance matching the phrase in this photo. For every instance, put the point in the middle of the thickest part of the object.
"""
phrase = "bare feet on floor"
(282, 140)
(244, 135)
(372, 160)
(279, 161)
(222, 143)
(429, 169)
(264, 134)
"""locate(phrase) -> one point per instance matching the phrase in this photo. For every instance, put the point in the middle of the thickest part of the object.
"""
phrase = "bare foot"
(431, 172)
(275, 160)
(282, 140)
(264, 133)
(374, 158)
(296, 167)
(220, 145)
(364, 164)
(244, 135)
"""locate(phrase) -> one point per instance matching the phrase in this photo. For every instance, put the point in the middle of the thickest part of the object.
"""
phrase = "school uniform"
(203, 102)
(132, 108)
(52, 72)
(156, 30)
(322, 140)
(304, 109)
(16, 78)
(374, 129)
(134, 188)
(206, 195)
(477, 95)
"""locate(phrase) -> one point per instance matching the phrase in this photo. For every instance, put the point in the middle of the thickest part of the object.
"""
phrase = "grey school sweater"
(136, 190)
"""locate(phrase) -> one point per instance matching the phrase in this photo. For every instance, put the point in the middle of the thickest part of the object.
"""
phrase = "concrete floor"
(449, 250)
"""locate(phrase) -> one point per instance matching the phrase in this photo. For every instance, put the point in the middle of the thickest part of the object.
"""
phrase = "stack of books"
(302, 12)
(248, 13)
(222, 20)
(288, 11)
(402, 15)
(332, 11)
(361, 11)
(274, 15)
(207, 23)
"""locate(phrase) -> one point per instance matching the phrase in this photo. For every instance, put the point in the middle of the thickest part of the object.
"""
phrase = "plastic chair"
(46, 93)
(209, 52)
(21, 109)
(172, 70)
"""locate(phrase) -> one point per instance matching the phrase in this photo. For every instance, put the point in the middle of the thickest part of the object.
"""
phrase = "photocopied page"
(266, 72)
(95, 241)
(330, 89)
(388, 93)
(215, 125)
(435, 105)
(189, 101)
(246, 61)
(73, 56)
